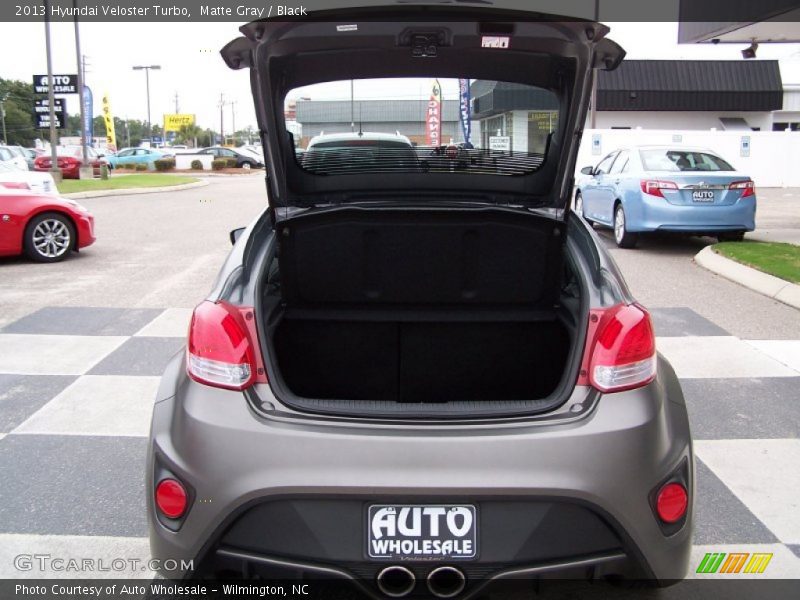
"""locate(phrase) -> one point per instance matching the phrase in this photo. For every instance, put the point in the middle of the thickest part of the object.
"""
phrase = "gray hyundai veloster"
(418, 371)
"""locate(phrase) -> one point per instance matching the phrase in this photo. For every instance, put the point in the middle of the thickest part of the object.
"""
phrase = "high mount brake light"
(620, 352)
(221, 350)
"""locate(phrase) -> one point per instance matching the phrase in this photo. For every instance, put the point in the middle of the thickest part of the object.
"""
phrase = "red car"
(69, 161)
(45, 228)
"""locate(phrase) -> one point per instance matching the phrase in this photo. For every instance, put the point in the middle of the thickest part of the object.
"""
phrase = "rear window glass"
(682, 160)
(421, 125)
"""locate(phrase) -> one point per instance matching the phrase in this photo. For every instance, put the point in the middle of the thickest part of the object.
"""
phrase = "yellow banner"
(108, 118)
(174, 121)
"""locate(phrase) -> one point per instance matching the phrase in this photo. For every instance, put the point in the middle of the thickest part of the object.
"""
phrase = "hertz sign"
(174, 121)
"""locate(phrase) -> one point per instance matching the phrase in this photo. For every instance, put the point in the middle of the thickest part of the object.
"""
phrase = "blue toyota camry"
(666, 188)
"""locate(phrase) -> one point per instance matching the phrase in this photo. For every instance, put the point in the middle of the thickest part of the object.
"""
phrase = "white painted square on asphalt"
(764, 475)
(101, 550)
(786, 352)
(98, 405)
(28, 354)
(173, 322)
(719, 357)
(783, 564)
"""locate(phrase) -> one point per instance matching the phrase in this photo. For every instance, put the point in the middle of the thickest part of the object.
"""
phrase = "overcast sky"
(192, 68)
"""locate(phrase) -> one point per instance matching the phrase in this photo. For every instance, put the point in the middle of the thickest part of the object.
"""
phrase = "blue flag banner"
(88, 114)
(465, 109)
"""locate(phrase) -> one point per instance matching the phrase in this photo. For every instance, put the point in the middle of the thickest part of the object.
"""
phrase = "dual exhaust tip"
(443, 582)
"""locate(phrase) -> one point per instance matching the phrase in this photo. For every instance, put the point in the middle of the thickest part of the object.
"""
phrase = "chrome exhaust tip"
(446, 582)
(396, 581)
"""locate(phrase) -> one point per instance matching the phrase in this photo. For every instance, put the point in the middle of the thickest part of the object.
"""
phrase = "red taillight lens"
(653, 187)
(748, 188)
(672, 502)
(220, 351)
(620, 349)
(15, 185)
(171, 498)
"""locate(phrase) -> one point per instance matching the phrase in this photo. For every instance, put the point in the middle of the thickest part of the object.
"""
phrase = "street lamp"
(146, 69)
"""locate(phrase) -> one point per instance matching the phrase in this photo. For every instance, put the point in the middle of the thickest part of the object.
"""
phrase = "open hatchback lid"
(508, 57)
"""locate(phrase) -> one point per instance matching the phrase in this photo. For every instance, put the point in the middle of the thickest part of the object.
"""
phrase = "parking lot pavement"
(77, 382)
(152, 250)
(74, 421)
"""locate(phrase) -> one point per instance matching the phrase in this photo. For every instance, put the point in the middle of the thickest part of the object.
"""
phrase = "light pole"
(3, 115)
(146, 69)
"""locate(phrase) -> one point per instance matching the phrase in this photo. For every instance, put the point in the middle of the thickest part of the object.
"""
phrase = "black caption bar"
(739, 11)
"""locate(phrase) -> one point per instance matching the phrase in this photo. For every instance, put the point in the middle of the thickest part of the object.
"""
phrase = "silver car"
(421, 383)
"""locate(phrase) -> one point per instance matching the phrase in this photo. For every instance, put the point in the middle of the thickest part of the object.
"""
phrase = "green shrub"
(141, 167)
(197, 165)
(164, 164)
(230, 163)
(218, 164)
(129, 166)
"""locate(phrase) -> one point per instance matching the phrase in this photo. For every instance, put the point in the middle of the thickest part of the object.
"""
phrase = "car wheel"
(49, 237)
(623, 237)
(579, 208)
(731, 236)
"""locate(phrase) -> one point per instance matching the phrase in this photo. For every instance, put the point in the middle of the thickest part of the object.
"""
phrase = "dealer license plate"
(422, 532)
(703, 196)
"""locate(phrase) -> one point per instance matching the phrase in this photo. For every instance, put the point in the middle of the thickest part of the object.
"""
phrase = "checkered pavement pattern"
(77, 386)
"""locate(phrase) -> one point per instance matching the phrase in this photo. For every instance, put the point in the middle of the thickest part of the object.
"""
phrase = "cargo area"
(419, 306)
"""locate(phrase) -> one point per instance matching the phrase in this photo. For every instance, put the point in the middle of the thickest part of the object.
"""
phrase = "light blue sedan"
(666, 188)
(135, 156)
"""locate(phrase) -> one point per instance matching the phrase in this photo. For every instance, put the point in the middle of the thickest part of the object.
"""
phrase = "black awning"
(691, 85)
(491, 98)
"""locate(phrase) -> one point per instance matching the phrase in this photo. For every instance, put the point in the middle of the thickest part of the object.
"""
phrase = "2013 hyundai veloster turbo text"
(422, 374)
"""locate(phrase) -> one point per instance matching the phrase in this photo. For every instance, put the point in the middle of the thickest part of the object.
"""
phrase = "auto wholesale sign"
(41, 113)
(62, 84)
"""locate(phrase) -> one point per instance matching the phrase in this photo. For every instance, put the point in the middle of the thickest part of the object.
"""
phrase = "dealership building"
(733, 95)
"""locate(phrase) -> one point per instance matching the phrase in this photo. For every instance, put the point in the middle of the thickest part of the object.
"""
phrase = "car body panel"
(18, 208)
(720, 210)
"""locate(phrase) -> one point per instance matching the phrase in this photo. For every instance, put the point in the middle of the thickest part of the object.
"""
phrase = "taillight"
(220, 351)
(620, 349)
(15, 185)
(171, 498)
(748, 188)
(672, 502)
(653, 187)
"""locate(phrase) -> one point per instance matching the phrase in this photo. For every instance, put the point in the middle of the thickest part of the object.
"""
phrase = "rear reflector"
(620, 349)
(171, 498)
(220, 352)
(748, 187)
(653, 187)
(672, 502)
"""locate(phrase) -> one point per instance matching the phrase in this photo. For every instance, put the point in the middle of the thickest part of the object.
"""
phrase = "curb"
(131, 191)
(763, 283)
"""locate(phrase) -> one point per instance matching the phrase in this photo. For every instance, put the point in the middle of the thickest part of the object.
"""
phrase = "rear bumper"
(590, 480)
(656, 214)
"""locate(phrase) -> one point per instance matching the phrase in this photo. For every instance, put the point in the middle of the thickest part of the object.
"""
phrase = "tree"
(188, 134)
(18, 106)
